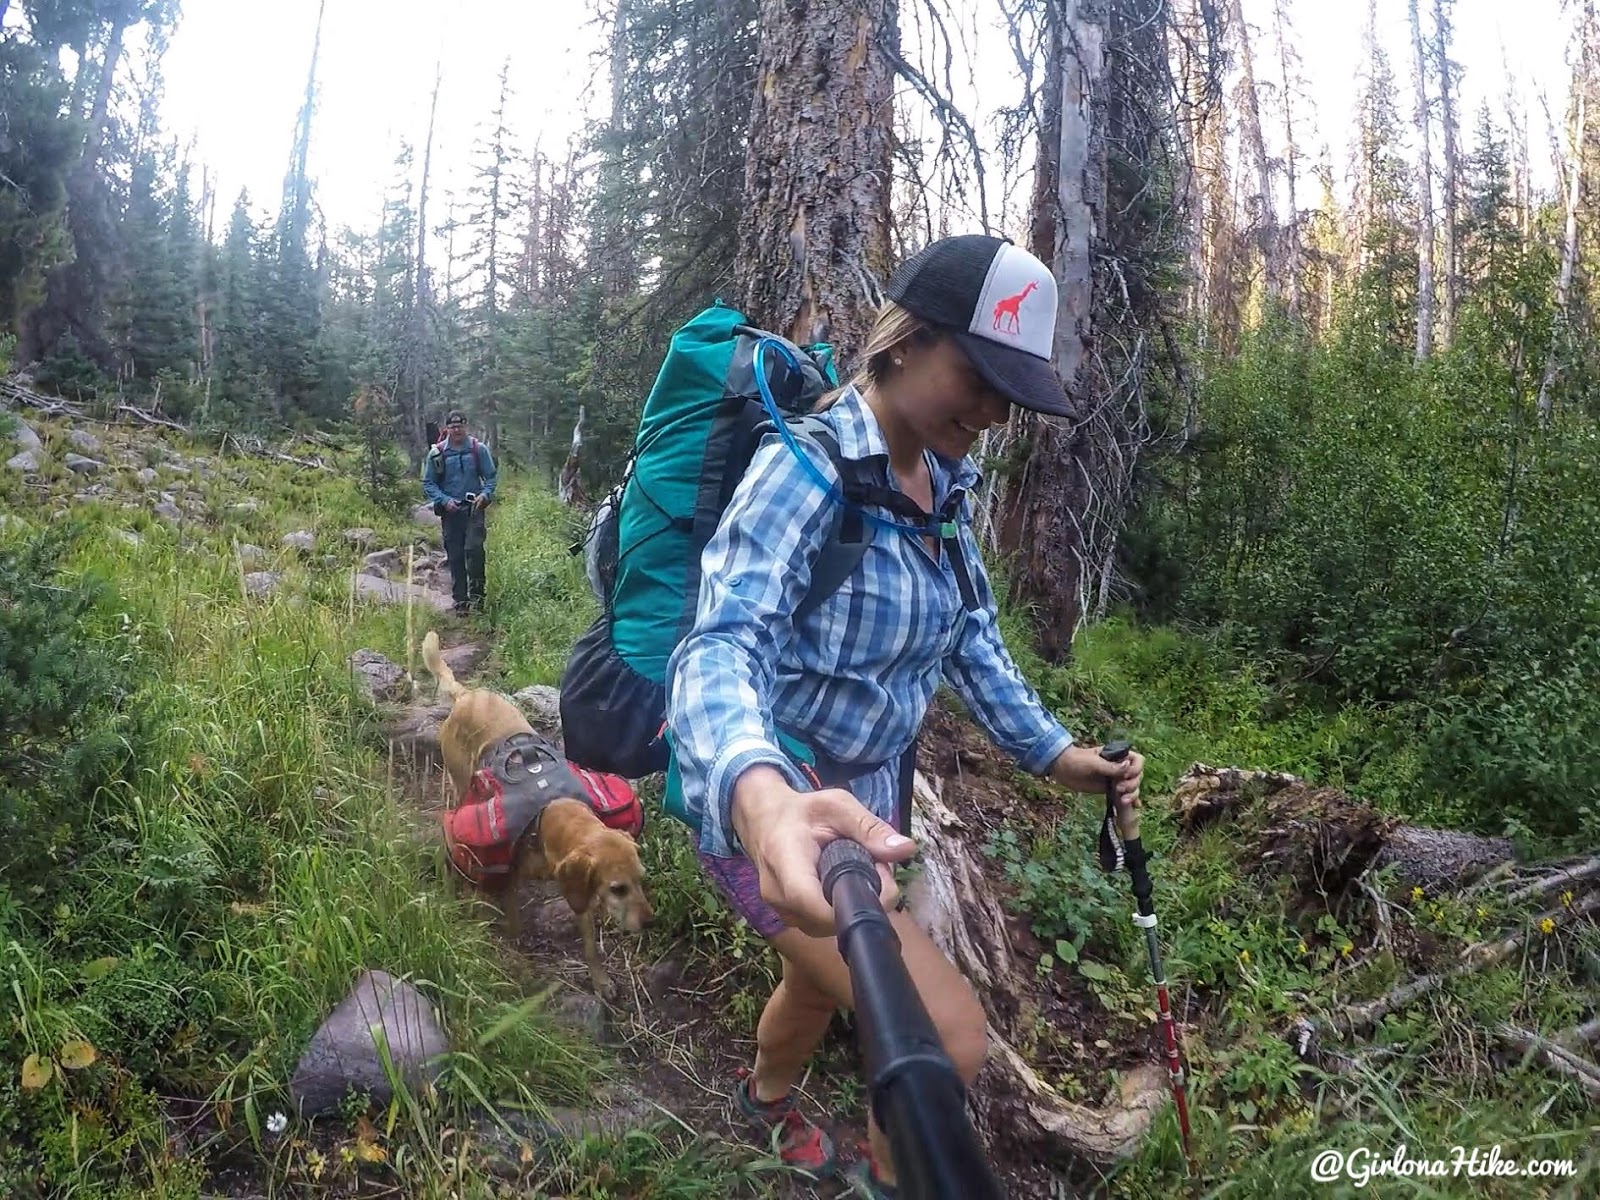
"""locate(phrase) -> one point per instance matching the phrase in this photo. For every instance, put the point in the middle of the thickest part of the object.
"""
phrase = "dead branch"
(1559, 879)
(1556, 1057)
(1580, 1035)
(138, 414)
(1361, 1018)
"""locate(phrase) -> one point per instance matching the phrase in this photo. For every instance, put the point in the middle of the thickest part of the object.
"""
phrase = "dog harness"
(520, 777)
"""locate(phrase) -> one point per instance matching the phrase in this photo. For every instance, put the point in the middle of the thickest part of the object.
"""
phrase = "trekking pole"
(917, 1097)
(1120, 846)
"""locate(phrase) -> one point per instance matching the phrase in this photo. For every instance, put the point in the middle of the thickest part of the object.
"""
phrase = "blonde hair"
(892, 327)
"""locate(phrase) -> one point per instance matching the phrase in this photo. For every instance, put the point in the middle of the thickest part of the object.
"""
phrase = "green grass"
(245, 863)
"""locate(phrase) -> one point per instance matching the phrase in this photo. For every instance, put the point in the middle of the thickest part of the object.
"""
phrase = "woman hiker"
(967, 333)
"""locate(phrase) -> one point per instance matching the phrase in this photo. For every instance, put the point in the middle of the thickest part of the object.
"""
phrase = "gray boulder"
(249, 553)
(84, 442)
(262, 583)
(301, 539)
(541, 704)
(145, 475)
(246, 506)
(27, 462)
(378, 677)
(343, 1054)
(82, 465)
(423, 514)
(384, 591)
(360, 537)
(380, 562)
(25, 437)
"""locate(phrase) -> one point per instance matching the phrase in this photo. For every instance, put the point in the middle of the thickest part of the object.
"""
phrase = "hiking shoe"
(799, 1142)
(864, 1183)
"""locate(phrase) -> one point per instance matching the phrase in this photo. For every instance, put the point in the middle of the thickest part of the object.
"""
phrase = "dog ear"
(575, 875)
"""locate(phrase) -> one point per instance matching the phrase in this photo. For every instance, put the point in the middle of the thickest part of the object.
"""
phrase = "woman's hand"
(1083, 770)
(783, 832)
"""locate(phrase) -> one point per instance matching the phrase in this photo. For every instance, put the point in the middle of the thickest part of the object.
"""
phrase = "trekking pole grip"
(1125, 815)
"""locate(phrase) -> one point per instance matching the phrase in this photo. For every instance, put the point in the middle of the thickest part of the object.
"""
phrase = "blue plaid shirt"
(853, 678)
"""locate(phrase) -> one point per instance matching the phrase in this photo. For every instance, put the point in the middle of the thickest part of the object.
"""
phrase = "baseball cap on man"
(999, 302)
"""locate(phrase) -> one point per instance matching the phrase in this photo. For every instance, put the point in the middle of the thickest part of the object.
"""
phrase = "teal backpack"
(722, 387)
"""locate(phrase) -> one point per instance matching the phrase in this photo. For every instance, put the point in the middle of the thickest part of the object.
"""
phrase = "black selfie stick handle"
(917, 1096)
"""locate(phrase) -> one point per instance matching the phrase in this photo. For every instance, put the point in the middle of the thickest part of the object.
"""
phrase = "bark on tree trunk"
(570, 488)
(1043, 508)
(1424, 193)
(814, 241)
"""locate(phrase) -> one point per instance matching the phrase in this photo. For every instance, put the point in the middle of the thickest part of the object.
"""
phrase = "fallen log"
(1556, 880)
(1012, 1103)
(1326, 839)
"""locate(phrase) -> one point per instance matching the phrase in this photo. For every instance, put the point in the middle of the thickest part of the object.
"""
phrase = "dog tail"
(433, 659)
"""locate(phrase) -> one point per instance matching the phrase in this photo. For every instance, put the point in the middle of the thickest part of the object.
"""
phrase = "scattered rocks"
(360, 537)
(415, 731)
(82, 465)
(167, 509)
(145, 475)
(27, 462)
(84, 442)
(378, 677)
(301, 539)
(249, 553)
(343, 1054)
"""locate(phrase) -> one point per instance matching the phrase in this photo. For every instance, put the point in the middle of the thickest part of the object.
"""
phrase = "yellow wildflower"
(1244, 957)
(1547, 926)
(1566, 899)
(1483, 913)
(1303, 948)
(1416, 894)
(1345, 949)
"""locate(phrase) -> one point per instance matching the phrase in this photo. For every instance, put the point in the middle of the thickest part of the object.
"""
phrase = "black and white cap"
(999, 302)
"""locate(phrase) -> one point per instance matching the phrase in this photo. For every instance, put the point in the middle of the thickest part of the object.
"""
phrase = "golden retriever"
(596, 867)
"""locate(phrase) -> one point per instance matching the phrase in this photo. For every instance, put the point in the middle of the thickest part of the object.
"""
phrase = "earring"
(899, 362)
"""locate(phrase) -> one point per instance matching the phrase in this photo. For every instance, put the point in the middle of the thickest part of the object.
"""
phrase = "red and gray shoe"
(797, 1141)
(864, 1181)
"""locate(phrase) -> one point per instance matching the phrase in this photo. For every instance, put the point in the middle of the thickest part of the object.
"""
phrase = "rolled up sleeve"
(720, 678)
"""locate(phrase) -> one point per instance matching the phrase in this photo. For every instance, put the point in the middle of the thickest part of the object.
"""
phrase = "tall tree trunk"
(1042, 511)
(1569, 252)
(422, 297)
(1424, 193)
(1291, 158)
(1256, 146)
(814, 244)
(297, 187)
(1451, 192)
(102, 96)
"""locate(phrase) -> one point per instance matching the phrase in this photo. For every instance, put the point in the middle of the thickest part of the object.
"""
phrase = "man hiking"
(458, 478)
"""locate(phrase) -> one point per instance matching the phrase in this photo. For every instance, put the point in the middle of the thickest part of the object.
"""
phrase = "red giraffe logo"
(1007, 314)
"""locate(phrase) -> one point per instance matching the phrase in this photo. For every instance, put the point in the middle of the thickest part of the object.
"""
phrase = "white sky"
(235, 74)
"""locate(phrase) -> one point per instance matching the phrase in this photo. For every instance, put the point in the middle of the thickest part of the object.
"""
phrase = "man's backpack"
(442, 445)
(702, 422)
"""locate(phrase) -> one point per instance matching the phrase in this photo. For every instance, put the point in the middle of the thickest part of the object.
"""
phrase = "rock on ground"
(423, 514)
(82, 465)
(25, 437)
(378, 677)
(369, 587)
(380, 562)
(541, 704)
(27, 462)
(343, 1054)
(301, 539)
(262, 583)
(84, 442)
(360, 537)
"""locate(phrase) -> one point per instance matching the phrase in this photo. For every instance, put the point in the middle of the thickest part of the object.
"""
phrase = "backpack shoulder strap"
(847, 545)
